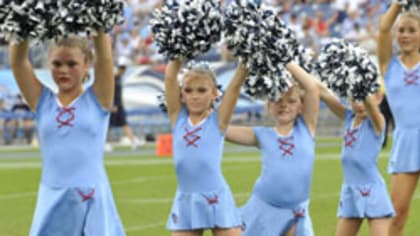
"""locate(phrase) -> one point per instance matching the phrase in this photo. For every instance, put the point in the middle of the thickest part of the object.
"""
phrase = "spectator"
(118, 116)
(23, 125)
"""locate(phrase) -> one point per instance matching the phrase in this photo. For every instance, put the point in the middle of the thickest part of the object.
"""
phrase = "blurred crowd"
(314, 21)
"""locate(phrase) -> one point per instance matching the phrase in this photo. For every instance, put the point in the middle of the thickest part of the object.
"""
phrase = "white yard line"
(158, 161)
(9, 196)
(143, 227)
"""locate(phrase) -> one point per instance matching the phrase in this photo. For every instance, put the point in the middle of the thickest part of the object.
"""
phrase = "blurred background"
(315, 23)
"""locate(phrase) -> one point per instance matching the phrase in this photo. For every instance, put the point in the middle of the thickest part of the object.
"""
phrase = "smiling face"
(288, 107)
(198, 92)
(408, 33)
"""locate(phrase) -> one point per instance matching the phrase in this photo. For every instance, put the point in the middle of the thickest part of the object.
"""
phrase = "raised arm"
(231, 96)
(173, 90)
(374, 113)
(29, 85)
(331, 101)
(241, 135)
(311, 97)
(103, 85)
(384, 42)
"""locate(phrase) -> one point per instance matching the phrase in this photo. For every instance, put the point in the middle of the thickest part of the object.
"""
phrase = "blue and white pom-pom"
(347, 70)
(25, 19)
(81, 16)
(41, 20)
(264, 43)
(187, 28)
(409, 5)
(265, 87)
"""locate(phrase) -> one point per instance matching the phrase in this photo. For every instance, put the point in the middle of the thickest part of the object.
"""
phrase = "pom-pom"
(347, 70)
(409, 5)
(81, 16)
(264, 43)
(265, 87)
(187, 29)
(23, 20)
(41, 20)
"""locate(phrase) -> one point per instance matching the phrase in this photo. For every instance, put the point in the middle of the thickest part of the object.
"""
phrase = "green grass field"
(144, 186)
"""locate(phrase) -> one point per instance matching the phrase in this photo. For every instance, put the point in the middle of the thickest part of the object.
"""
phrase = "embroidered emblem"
(65, 117)
(411, 78)
(365, 192)
(350, 137)
(299, 212)
(286, 145)
(191, 137)
(86, 197)
(212, 200)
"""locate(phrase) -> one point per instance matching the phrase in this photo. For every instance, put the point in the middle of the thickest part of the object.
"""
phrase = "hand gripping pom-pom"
(409, 5)
(264, 43)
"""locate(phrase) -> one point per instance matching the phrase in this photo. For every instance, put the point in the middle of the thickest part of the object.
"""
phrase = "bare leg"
(348, 226)
(188, 233)
(402, 190)
(129, 133)
(227, 232)
(379, 226)
(292, 231)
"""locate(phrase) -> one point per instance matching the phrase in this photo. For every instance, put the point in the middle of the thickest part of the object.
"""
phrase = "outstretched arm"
(331, 101)
(241, 135)
(103, 86)
(384, 43)
(311, 97)
(231, 96)
(24, 74)
(374, 113)
(173, 90)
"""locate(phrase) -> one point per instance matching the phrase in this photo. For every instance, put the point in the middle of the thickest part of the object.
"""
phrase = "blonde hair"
(200, 68)
(73, 41)
(413, 15)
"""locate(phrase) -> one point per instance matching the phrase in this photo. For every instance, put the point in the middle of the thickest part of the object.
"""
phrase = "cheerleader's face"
(408, 34)
(358, 108)
(288, 107)
(68, 68)
(198, 93)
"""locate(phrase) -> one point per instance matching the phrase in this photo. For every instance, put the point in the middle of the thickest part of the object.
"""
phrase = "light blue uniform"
(363, 193)
(280, 197)
(403, 92)
(203, 199)
(74, 196)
